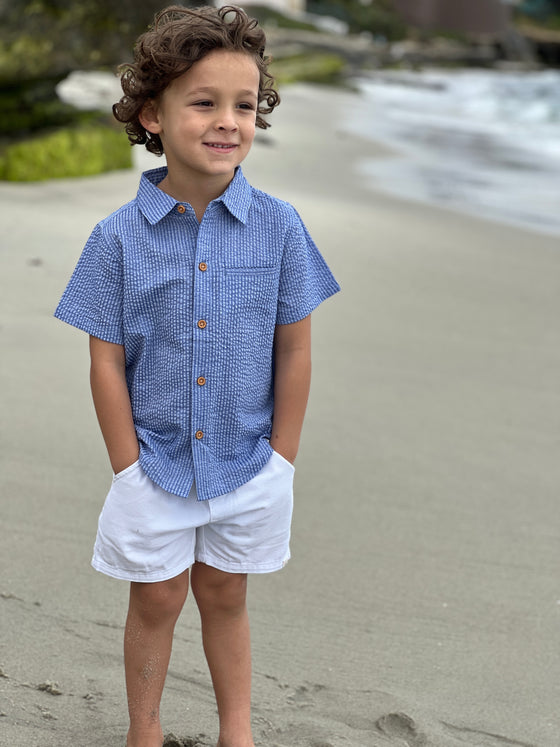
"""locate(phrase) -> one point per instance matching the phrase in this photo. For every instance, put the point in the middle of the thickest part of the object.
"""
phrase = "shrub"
(314, 67)
(68, 152)
(31, 105)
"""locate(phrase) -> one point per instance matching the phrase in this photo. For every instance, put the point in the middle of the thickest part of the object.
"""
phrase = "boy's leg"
(152, 614)
(221, 599)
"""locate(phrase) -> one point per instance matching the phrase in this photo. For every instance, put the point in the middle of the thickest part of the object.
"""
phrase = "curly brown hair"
(178, 38)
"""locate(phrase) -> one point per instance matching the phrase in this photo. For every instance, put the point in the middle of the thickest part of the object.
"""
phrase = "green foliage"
(31, 105)
(314, 67)
(379, 17)
(42, 37)
(24, 55)
(551, 23)
(68, 152)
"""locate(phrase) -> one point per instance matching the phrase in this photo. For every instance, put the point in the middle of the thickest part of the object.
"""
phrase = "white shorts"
(147, 534)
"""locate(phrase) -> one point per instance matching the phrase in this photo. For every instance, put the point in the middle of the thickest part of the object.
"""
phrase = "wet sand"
(421, 605)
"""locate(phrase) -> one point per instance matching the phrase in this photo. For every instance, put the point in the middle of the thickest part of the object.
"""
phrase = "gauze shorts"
(147, 534)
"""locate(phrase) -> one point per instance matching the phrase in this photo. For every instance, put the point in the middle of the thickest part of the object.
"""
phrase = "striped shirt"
(195, 306)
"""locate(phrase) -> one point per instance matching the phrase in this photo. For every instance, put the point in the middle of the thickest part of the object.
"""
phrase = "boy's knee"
(161, 600)
(215, 589)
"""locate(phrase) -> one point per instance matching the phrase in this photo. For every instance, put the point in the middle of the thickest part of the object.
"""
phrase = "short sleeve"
(305, 279)
(93, 299)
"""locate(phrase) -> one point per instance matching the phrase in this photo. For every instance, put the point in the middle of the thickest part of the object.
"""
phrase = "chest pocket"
(250, 289)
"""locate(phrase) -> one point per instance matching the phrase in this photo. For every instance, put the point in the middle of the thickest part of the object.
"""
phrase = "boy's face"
(206, 117)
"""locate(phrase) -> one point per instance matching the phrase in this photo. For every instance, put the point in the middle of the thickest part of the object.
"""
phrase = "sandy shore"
(422, 603)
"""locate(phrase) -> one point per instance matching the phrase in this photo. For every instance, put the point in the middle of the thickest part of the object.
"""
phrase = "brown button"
(201, 381)
(201, 324)
(181, 209)
(203, 267)
(198, 435)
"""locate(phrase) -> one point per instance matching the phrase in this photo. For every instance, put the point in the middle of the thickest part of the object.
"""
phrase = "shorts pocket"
(131, 468)
(284, 460)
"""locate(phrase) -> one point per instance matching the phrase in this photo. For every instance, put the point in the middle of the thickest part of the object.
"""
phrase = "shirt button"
(181, 209)
(201, 324)
(203, 267)
(198, 435)
(201, 381)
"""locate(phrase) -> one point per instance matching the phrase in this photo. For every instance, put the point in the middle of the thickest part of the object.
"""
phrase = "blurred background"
(467, 94)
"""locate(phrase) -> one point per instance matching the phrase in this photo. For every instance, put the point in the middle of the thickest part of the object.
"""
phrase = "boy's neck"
(198, 194)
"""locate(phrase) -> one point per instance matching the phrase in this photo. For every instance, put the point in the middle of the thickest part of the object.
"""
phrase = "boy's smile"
(206, 122)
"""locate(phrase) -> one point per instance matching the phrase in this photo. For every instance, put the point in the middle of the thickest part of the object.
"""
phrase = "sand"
(421, 606)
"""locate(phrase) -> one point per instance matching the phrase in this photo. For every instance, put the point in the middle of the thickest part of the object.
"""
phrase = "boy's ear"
(149, 118)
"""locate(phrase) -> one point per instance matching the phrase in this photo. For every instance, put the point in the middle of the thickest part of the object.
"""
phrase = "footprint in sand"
(401, 726)
(304, 695)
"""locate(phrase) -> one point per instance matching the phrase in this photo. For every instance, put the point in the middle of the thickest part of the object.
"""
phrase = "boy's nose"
(226, 121)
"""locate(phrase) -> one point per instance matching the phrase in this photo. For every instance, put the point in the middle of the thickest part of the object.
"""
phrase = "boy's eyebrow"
(212, 89)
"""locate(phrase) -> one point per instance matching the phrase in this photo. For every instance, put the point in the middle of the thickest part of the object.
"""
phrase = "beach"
(421, 605)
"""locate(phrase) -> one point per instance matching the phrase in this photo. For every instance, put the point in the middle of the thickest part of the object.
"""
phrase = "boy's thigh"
(249, 528)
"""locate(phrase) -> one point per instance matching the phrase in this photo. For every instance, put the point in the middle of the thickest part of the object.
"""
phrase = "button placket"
(201, 307)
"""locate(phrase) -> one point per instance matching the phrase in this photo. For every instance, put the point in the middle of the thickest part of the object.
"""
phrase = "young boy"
(197, 298)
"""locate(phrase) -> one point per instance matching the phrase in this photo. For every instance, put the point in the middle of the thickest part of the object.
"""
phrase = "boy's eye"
(203, 103)
(247, 106)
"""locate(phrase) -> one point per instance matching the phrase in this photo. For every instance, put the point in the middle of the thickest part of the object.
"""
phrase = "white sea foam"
(480, 141)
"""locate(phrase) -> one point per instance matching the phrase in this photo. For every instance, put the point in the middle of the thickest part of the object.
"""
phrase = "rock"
(50, 687)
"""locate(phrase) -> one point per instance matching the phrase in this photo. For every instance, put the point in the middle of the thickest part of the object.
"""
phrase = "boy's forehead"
(212, 70)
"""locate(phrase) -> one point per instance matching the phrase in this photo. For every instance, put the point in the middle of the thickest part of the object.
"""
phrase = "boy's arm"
(112, 402)
(292, 378)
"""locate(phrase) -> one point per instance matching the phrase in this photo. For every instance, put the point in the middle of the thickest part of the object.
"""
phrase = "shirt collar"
(237, 197)
(156, 204)
(153, 203)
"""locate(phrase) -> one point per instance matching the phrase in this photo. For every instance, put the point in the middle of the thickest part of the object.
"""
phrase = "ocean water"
(484, 142)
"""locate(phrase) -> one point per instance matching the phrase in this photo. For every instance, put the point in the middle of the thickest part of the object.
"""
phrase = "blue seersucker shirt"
(195, 306)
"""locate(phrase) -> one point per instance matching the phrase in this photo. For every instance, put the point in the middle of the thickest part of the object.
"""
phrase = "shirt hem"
(226, 486)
